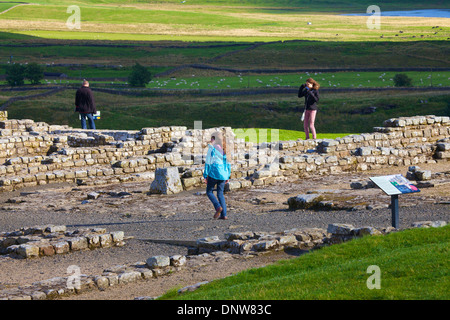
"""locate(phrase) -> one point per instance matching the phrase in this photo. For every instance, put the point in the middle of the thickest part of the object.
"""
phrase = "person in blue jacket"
(217, 173)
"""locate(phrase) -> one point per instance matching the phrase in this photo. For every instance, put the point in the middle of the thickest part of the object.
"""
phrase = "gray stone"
(304, 201)
(93, 195)
(286, 240)
(52, 229)
(105, 240)
(158, 262)
(239, 235)
(93, 240)
(167, 181)
(443, 146)
(340, 229)
(117, 236)
(364, 151)
(262, 174)
(178, 260)
(422, 175)
(265, 245)
(78, 243)
(61, 247)
(232, 185)
(193, 287)
(329, 143)
(129, 277)
(428, 224)
(27, 251)
(38, 295)
(101, 282)
(365, 231)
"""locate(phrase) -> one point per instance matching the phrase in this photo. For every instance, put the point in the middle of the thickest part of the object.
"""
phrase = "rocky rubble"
(38, 241)
(237, 245)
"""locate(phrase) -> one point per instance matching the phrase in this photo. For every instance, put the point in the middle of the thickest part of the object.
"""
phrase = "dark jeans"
(90, 117)
(220, 200)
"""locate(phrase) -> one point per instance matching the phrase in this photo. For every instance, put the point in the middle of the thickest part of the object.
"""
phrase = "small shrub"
(402, 80)
(139, 76)
(34, 73)
(15, 74)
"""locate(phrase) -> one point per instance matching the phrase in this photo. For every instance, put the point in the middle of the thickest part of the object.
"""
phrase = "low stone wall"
(49, 240)
(248, 242)
(208, 250)
(37, 153)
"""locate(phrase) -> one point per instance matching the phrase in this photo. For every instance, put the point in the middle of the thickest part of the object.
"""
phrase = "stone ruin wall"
(36, 153)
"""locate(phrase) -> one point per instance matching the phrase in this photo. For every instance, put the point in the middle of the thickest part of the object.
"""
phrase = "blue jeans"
(220, 200)
(90, 117)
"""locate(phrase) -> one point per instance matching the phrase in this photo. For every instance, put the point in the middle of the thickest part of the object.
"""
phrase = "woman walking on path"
(310, 90)
(217, 172)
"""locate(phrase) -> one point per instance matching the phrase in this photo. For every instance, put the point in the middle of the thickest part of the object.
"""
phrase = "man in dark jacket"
(85, 105)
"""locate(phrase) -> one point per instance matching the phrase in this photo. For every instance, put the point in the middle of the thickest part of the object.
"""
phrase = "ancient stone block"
(93, 240)
(61, 247)
(158, 262)
(27, 251)
(340, 229)
(78, 243)
(177, 260)
(167, 181)
(46, 249)
(265, 245)
(105, 240)
(304, 201)
(117, 236)
(101, 282)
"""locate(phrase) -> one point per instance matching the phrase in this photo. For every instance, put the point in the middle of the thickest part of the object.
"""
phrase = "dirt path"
(188, 216)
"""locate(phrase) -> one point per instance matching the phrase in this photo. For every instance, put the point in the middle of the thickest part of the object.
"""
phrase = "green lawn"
(338, 112)
(326, 80)
(258, 135)
(413, 264)
(219, 20)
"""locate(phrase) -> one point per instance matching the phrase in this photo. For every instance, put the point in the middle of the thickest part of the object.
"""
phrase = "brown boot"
(218, 212)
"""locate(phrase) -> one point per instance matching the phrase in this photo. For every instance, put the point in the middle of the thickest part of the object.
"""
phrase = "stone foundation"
(38, 241)
(207, 251)
(34, 154)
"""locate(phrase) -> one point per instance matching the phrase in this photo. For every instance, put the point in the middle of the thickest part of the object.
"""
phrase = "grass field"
(338, 113)
(219, 20)
(257, 36)
(248, 35)
(413, 265)
(259, 135)
(326, 80)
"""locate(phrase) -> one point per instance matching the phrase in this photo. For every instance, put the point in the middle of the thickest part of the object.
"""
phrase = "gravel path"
(185, 216)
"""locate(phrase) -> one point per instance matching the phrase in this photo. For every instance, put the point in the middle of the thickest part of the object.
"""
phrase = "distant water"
(427, 13)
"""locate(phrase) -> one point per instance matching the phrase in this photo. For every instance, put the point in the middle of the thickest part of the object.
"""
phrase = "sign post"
(393, 185)
(394, 210)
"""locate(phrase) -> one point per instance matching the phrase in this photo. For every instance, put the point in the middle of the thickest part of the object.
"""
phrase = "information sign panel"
(394, 184)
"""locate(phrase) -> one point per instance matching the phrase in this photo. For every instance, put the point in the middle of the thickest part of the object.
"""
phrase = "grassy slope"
(133, 113)
(217, 21)
(321, 5)
(260, 112)
(413, 263)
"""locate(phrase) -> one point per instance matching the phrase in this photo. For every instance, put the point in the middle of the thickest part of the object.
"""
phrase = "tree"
(402, 80)
(34, 73)
(139, 76)
(15, 74)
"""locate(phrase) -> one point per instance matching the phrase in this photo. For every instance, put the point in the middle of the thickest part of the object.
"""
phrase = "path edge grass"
(413, 266)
